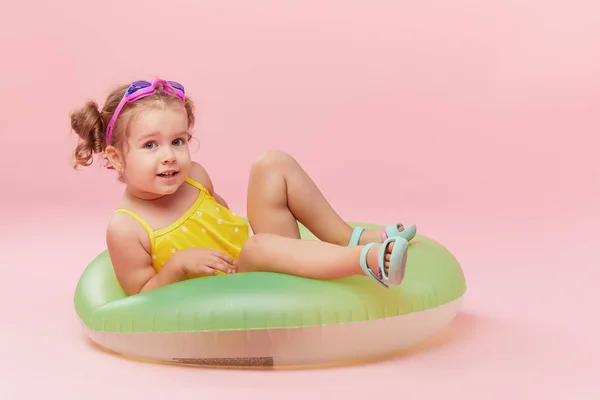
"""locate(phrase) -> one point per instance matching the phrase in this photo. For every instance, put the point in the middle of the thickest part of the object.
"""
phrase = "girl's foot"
(385, 262)
(373, 236)
(361, 236)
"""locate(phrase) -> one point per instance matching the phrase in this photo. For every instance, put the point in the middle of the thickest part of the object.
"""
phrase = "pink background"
(477, 121)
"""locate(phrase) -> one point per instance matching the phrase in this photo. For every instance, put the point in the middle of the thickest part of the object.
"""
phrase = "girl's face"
(156, 158)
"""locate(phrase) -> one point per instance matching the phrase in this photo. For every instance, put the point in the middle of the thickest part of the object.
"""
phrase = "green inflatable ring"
(268, 319)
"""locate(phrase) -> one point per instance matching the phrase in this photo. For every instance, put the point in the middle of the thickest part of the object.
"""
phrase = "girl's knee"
(272, 159)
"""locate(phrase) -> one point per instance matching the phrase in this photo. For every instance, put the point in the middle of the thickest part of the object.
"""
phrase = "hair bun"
(88, 124)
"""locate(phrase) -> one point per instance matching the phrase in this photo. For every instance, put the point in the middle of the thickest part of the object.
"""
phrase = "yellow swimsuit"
(205, 224)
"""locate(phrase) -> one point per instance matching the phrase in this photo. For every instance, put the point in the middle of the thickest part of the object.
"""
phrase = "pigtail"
(87, 122)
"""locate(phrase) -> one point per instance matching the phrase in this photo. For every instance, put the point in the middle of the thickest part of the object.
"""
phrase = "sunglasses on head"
(140, 89)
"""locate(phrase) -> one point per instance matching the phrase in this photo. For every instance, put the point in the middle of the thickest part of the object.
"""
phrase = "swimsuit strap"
(141, 221)
(195, 184)
(146, 226)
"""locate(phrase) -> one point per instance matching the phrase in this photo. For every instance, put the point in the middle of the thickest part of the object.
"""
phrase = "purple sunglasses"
(140, 89)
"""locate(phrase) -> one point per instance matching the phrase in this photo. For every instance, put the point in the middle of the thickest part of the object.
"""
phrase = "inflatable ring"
(270, 320)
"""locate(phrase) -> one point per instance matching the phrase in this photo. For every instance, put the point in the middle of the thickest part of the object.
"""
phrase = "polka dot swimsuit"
(205, 224)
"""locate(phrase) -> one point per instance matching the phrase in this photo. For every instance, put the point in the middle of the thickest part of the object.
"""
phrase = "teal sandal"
(387, 232)
(397, 267)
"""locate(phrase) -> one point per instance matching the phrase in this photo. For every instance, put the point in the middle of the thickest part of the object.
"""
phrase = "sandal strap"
(363, 261)
(363, 264)
(407, 233)
(390, 230)
(355, 237)
(381, 257)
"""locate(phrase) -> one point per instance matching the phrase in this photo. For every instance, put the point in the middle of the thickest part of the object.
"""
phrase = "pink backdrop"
(476, 121)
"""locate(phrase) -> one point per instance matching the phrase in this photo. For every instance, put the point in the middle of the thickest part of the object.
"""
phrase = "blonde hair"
(89, 122)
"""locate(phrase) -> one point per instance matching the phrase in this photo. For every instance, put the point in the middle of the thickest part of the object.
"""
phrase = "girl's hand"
(203, 261)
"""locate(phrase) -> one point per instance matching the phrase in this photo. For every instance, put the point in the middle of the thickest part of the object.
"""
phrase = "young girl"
(171, 225)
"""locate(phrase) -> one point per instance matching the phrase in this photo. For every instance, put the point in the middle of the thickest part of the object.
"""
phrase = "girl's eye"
(178, 142)
(149, 145)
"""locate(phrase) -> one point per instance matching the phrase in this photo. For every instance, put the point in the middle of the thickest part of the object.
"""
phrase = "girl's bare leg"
(281, 192)
(308, 258)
